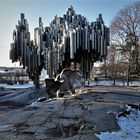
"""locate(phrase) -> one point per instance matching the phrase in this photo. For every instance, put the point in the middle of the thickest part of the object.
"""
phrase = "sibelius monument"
(68, 40)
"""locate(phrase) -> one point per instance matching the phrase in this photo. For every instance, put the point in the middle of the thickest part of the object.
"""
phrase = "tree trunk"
(114, 79)
(131, 79)
(128, 70)
(123, 79)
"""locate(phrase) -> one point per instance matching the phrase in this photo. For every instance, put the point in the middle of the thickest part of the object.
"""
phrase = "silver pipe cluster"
(67, 39)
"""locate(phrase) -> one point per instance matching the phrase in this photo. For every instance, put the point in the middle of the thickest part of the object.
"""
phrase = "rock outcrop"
(78, 117)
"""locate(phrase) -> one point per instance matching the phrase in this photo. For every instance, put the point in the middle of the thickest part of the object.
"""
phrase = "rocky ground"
(77, 117)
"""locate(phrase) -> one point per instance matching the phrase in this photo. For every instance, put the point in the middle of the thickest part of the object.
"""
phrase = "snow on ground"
(2, 71)
(130, 128)
(17, 86)
(105, 82)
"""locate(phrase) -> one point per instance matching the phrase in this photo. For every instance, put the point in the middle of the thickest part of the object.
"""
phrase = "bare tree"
(125, 32)
(110, 67)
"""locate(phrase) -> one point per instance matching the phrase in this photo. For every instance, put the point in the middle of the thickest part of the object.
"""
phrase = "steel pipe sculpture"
(68, 39)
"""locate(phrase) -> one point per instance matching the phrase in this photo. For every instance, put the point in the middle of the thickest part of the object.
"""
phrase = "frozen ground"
(77, 117)
(101, 82)
(106, 82)
(130, 128)
(17, 86)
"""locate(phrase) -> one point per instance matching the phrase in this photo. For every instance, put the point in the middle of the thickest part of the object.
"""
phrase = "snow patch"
(17, 86)
(130, 128)
(105, 82)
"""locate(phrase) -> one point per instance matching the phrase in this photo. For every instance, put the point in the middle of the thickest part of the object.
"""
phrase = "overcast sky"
(10, 13)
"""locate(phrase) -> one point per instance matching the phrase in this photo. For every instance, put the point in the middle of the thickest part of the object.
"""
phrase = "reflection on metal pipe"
(67, 39)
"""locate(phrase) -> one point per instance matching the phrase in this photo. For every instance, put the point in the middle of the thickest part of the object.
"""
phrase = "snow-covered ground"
(130, 128)
(93, 83)
(110, 83)
(17, 86)
(2, 71)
